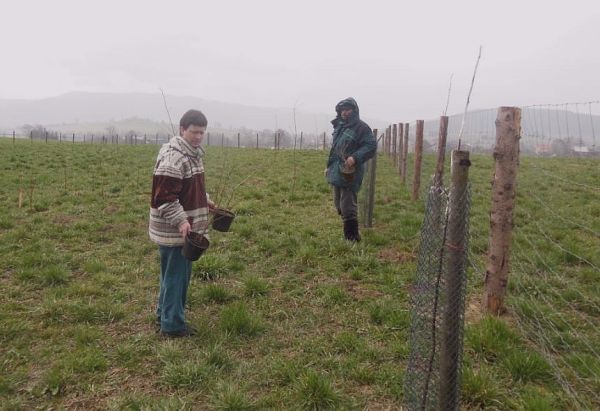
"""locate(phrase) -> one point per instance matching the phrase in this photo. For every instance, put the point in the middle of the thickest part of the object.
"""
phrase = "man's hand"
(211, 205)
(184, 229)
(350, 162)
(325, 172)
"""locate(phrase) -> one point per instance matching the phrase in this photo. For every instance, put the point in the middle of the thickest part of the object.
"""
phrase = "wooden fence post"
(73, 138)
(46, 136)
(405, 152)
(441, 152)
(418, 160)
(324, 139)
(506, 154)
(394, 143)
(301, 138)
(388, 140)
(400, 148)
(454, 281)
(256, 140)
(372, 174)
(238, 140)
(13, 136)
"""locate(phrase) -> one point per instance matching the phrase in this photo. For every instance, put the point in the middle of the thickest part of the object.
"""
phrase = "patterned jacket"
(178, 193)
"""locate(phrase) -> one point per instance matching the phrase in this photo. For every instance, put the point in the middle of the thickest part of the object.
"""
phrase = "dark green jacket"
(351, 138)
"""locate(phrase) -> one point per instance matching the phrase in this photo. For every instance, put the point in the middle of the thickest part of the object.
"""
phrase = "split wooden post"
(418, 160)
(506, 155)
(441, 152)
(405, 153)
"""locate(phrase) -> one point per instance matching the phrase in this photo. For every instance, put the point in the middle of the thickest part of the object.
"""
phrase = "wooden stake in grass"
(418, 160)
(441, 152)
(394, 145)
(372, 164)
(31, 189)
(405, 153)
(506, 154)
(400, 148)
(21, 191)
(454, 281)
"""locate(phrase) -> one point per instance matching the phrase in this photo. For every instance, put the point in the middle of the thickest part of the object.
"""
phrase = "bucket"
(222, 219)
(194, 246)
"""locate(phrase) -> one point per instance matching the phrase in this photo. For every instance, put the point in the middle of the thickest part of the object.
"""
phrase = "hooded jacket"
(351, 138)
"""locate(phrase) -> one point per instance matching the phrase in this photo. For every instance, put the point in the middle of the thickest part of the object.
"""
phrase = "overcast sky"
(394, 57)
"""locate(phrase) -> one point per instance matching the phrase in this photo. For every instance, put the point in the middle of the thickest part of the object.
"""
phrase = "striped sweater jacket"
(178, 193)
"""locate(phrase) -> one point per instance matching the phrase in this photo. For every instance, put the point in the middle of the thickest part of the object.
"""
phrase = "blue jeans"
(175, 273)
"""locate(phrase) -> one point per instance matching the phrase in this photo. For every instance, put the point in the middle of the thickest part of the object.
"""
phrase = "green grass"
(289, 315)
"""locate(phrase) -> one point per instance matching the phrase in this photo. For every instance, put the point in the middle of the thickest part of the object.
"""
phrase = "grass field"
(290, 316)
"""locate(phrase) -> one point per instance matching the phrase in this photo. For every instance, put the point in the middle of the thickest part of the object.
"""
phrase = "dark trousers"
(175, 273)
(345, 202)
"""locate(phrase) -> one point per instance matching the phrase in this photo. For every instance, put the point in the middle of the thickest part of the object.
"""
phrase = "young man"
(179, 205)
(353, 144)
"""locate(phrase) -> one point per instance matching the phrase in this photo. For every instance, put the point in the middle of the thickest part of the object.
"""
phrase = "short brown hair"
(193, 117)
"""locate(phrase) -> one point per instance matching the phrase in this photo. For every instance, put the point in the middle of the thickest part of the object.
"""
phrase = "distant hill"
(94, 112)
(539, 125)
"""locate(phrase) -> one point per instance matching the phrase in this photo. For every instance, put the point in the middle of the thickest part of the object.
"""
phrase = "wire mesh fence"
(437, 303)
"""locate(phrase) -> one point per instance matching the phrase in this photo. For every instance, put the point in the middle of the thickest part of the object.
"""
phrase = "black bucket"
(222, 219)
(194, 246)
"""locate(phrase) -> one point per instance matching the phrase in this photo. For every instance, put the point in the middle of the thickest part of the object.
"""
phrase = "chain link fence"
(437, 303)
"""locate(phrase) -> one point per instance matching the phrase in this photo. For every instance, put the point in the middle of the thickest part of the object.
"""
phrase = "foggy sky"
(394, 57)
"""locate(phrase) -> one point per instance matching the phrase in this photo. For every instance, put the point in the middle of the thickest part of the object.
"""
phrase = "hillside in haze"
(85, 109)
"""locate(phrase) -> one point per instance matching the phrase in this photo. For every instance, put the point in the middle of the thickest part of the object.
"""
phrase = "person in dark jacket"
(353, 144)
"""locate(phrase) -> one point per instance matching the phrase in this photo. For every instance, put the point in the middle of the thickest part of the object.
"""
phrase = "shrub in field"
(228, 397)
(315, 392)
(482, 389)
(210, 267)
(490, 337)
(216, 293)
(255, 287)
(527, 366)
(237, 319)
(185, 374)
